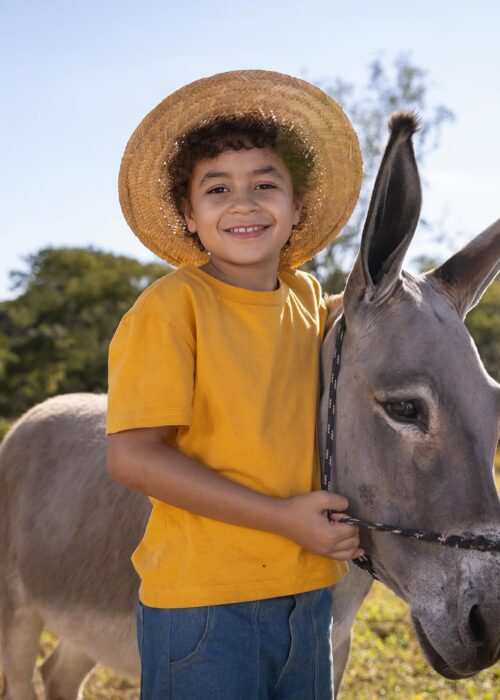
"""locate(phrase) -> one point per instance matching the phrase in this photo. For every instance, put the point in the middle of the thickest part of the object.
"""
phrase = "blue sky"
(78, 77)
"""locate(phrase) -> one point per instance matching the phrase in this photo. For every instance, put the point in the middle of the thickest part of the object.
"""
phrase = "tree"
(54, 336)
(369, 108)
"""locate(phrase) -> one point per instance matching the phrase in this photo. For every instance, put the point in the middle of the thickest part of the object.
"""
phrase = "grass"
(102, 683)
(386, 661)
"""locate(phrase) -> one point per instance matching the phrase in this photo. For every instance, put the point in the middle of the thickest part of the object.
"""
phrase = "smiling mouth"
(247, 230)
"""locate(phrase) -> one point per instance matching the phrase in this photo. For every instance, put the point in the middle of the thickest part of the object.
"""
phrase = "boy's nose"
(243, 202)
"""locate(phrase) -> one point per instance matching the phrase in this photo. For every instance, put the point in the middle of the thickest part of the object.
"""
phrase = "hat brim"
(320, 122)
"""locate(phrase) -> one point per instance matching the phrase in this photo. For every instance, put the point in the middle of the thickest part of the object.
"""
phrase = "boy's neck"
(257, 278)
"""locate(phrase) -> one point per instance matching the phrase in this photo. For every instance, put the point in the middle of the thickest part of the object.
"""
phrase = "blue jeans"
(276, 648)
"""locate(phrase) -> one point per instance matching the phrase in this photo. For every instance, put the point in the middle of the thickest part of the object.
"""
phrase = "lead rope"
(364, 562)
(479, 542)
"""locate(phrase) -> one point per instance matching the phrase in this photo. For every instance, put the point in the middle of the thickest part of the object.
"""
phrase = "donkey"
(417, 426)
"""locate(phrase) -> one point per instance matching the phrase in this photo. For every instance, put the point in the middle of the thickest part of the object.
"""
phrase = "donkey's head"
(418, 420)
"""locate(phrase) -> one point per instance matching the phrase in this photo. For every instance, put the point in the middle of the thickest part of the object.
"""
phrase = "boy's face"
(242, 206)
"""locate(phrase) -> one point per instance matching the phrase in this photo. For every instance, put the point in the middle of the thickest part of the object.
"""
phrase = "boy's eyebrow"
(260, 171)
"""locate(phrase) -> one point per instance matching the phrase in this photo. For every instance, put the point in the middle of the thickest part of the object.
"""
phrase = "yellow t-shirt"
(237, 371)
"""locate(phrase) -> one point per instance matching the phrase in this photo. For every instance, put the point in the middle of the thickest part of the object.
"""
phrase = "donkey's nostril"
(476, 624)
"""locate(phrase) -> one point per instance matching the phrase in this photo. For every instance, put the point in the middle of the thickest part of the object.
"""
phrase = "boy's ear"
(298, 201)
(188, 216)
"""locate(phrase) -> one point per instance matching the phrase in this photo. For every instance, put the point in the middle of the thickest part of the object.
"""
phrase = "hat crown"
(319, 121)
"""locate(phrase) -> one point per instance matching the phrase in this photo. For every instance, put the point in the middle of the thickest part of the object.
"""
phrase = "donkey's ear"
(392, 216)
(465, 276)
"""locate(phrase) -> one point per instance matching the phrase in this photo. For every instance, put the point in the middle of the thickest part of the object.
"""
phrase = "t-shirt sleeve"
(151, 369)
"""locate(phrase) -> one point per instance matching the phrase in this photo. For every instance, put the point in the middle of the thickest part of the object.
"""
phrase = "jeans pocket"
(188, 632)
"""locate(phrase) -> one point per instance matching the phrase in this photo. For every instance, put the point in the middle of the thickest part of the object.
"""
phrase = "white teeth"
(246, 229)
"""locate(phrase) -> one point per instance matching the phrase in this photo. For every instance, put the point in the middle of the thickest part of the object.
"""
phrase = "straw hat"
(318, 120)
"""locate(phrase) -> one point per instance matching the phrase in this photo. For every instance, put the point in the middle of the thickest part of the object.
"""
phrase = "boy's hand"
(141, 459)
(305, 522)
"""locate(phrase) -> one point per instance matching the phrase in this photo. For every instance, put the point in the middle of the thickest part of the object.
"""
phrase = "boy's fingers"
(344, 532)
(352, 543)
(338, 517)
(334, 501)
(348, 555)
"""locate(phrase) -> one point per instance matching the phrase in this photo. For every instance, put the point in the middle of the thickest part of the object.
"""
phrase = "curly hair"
(235, 132)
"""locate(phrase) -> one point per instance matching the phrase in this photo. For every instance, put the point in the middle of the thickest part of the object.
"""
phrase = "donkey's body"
(67, 533)
(417, 428)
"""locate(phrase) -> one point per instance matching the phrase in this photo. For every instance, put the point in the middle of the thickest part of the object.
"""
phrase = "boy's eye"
(217, 190)
(220, 189)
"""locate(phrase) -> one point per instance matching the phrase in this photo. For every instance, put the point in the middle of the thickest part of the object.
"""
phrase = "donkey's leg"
(348, 595)
(20, 628)
(340, 658)
(64, 670)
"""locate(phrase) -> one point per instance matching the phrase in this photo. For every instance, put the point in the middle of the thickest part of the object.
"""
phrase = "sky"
(77, 77)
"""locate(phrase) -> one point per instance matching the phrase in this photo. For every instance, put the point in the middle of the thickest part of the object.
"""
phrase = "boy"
(213, 376)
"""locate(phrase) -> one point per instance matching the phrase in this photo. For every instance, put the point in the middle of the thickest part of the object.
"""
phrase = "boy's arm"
(141, 459)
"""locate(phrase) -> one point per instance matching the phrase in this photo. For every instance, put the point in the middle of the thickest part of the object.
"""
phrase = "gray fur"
(434, 476)
(67, 533)
(67, 530)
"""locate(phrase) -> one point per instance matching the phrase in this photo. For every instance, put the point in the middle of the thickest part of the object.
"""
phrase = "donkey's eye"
(406, 411)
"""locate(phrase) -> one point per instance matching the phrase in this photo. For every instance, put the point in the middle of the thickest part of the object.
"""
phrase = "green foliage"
(54, 336)
(404, 86)
(483, 323)
(4, 427)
